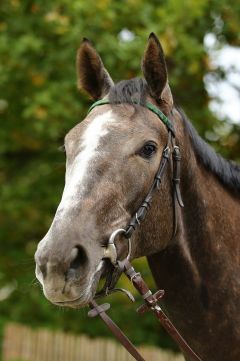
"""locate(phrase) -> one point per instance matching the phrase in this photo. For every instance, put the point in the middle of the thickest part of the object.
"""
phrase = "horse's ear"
(92, 76)
(155, 70)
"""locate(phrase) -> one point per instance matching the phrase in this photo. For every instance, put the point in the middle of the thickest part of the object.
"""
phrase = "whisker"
(62, 148)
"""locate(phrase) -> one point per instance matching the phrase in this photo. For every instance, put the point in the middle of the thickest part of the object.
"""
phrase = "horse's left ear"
(155, 71)
(92, 75)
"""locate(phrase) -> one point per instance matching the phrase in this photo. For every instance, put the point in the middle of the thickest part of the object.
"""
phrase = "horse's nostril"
(43, 269)
(78, 258)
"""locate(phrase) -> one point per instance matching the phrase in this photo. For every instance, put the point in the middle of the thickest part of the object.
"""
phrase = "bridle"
(170, 151)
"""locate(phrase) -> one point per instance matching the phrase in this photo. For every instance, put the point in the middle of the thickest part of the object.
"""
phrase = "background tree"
(39, 102)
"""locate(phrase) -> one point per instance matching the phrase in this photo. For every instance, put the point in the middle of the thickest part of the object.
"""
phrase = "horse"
(112, 157)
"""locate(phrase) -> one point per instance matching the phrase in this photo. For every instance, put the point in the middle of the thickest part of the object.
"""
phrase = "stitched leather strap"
(100, 311)
(151, 303)
(151, 300)
(143, 209)
(177, 198)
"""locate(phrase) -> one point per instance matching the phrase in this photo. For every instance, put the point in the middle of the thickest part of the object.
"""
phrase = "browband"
(148, 105)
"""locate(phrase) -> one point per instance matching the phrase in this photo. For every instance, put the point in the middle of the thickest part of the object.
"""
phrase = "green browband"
(148, 105)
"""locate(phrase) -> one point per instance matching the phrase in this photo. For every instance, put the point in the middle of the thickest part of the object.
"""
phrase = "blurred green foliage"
(39, 103)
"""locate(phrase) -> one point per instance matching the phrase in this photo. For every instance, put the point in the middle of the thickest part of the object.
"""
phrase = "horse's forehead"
(98, 118)
(106, 119)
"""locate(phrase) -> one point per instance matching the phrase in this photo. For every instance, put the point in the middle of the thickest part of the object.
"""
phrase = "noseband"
(170, 151)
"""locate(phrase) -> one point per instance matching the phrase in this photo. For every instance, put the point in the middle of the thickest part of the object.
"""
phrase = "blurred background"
(39, 103)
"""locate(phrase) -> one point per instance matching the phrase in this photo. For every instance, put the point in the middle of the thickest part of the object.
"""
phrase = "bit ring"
(114, 234)
(111, 252)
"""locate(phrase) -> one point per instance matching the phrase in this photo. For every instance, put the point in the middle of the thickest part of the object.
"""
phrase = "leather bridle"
(170, 151)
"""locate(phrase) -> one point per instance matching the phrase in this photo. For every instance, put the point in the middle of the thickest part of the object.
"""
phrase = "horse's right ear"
(92, 76)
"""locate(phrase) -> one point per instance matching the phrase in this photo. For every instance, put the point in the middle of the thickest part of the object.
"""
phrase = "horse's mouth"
(77, 303)
(80, 302)
(87, 296)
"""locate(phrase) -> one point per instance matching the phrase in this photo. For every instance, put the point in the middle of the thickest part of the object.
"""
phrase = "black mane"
(228, 172)
(129, 91)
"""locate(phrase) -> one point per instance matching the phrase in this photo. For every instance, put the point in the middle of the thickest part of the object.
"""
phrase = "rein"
(120, 267)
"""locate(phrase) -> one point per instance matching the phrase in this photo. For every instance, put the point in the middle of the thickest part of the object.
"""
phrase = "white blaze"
(77, 172)
(79, 169)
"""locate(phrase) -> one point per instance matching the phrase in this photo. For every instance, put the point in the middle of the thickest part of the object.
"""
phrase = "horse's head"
(112, 158)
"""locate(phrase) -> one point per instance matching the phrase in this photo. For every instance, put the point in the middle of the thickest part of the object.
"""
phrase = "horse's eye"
(148, 150)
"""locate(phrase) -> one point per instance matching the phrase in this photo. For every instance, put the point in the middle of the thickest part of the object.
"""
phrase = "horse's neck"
(200, 269)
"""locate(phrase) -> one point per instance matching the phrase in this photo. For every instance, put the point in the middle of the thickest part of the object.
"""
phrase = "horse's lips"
(84, 299)
(69, 303)
(77, 303)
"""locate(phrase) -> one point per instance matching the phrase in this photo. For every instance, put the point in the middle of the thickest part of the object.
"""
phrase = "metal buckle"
(135, 275)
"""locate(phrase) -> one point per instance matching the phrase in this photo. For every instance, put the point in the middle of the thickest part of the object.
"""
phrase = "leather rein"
(170, 151)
